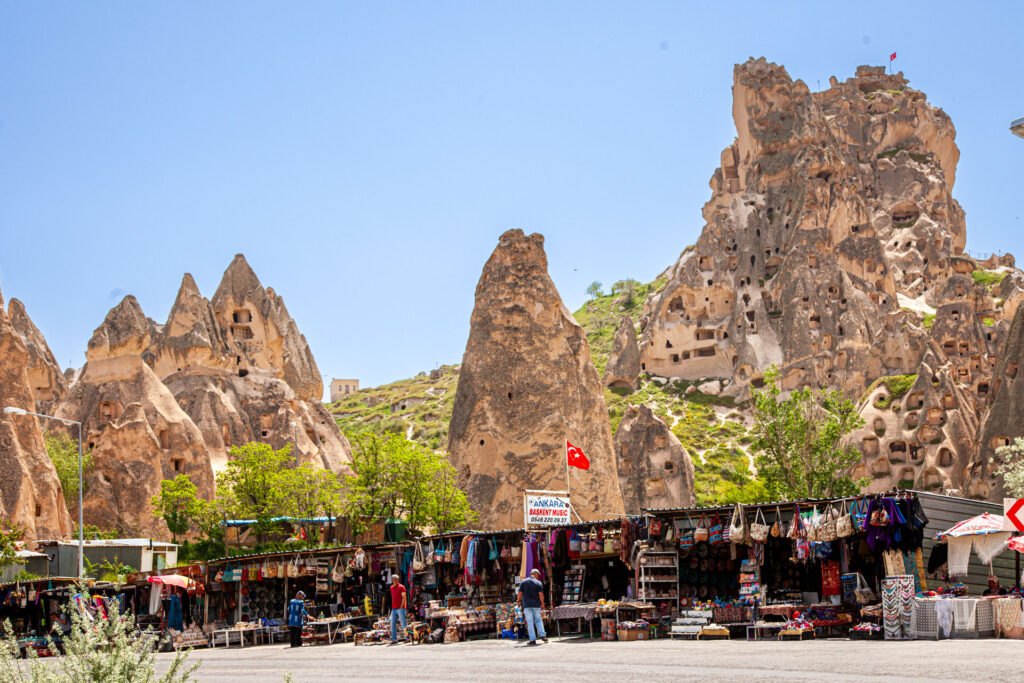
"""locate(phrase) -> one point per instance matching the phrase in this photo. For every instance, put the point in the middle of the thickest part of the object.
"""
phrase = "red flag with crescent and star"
(576, 457)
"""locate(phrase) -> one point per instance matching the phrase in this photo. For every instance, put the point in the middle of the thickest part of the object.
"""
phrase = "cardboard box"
(633, 634)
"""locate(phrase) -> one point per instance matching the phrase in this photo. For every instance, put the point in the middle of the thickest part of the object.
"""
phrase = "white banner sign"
(547, 510)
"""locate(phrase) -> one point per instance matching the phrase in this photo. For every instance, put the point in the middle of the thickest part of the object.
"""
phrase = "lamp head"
(11, 410)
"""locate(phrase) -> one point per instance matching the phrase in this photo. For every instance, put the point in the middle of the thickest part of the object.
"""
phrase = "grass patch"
(600, 317)
(897, 386)
(988, 322)
(988, 278)
(928, 320)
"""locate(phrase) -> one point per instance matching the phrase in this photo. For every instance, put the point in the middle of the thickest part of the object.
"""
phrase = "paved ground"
(659, 660)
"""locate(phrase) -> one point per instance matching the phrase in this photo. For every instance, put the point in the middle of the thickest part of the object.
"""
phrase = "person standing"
(531, 596)
(398, 606)
(297, 616)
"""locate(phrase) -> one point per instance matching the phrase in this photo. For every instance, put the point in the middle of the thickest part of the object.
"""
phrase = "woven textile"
(988, 546)
(965, 616)
(959, 554)
(944, 614)
(924, 623)
(893, 560)
(897, 606)
(1008, 615)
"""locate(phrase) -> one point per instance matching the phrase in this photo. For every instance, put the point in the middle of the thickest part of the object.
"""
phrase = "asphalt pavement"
(592, 661)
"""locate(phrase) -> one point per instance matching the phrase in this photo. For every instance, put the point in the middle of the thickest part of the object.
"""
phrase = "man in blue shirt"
(531, 596)
(297, 615)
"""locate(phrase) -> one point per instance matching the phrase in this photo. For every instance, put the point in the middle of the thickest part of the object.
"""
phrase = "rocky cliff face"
(623, 366)
(655, 471)
(30, 493)
(830, 232)
(45, 377)
(161, 400)
(526, 385)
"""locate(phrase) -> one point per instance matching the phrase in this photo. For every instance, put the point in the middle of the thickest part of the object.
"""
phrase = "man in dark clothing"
(297, 615)
(531, 596)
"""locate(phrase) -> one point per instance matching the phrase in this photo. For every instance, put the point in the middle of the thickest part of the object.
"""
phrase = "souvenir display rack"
(658, 575)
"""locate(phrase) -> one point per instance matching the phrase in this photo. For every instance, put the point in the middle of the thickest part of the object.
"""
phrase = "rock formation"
(526, 385)
(30, 493)
(655, 471)
(161, 400)
(623, 366)
(45, 377)
(830, 233)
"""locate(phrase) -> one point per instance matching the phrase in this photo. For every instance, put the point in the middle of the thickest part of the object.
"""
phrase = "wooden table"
(257, 634)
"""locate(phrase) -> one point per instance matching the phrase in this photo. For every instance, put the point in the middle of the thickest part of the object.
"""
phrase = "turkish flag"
(576, 457)
(892, 56)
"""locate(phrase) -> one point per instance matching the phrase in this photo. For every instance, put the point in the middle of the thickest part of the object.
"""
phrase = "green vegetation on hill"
(601, 315)
(897, 385)
(988, 278)
(420, 408)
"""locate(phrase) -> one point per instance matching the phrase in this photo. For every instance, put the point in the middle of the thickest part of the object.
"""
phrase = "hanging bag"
(739, 532)
(812, 525)
(859, 513)
(338, 572)
(715, 532)
(574, 542)
(863, 593)
(796, 526)
(430, 555)
(418, 564)
(759, 530)
(844, 525)
(776, 531)
(686, 536)
(700, 532)
(827, 530)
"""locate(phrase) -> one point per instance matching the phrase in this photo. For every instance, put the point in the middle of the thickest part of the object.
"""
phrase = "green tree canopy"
(251, 486)
(1012, 469)
(594, 289)
(8, 547)
(63, 452)
(801, 441)
(177, 504)
(397, 478)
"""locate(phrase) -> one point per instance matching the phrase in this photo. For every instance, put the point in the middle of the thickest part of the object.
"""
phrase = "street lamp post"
(11, 410)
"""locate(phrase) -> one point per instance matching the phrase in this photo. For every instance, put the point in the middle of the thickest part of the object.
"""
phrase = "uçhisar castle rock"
(831, 232)
(30, 493)
(526, 385)
(161, 400)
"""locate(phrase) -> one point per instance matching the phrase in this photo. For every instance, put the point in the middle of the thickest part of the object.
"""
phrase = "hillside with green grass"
(712, 428)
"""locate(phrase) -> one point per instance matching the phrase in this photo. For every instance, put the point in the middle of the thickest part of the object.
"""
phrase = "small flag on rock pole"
(891, 57)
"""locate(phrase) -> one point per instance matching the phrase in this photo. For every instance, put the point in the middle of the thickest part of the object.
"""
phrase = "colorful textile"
(897, 604)
(830, 582)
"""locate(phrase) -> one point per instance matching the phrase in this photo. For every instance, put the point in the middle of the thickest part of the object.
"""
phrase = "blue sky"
(365, 157)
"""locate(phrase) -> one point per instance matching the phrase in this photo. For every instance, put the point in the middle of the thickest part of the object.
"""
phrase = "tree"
(1012, 469)
(627, 288)
(397, 478)
(8, 545)
(63, 452)
(177, 504)
(594, 290)
(251, 486)
(310, 492)
(801, 441)
(96, 651)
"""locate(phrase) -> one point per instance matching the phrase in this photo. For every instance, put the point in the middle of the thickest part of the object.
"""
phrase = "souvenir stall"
(27, 605)
(950, 612)
(796, 569)
(587, 573)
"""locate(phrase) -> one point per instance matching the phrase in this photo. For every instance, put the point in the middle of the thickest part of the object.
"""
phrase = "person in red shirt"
(398, 606)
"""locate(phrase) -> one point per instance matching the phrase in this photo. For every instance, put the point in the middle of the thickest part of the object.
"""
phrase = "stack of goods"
(713, 632)
(608, 629)
(690, 623)
(750, 581)
(505, 619)
(190, 637)
(866, 631)
(706, 571)
(633, 630)
(797, 628)
(572, 589)
(606, 606)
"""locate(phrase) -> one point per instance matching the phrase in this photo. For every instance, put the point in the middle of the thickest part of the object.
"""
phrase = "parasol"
(1017, 543)
(985, 523)
(171, 580)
